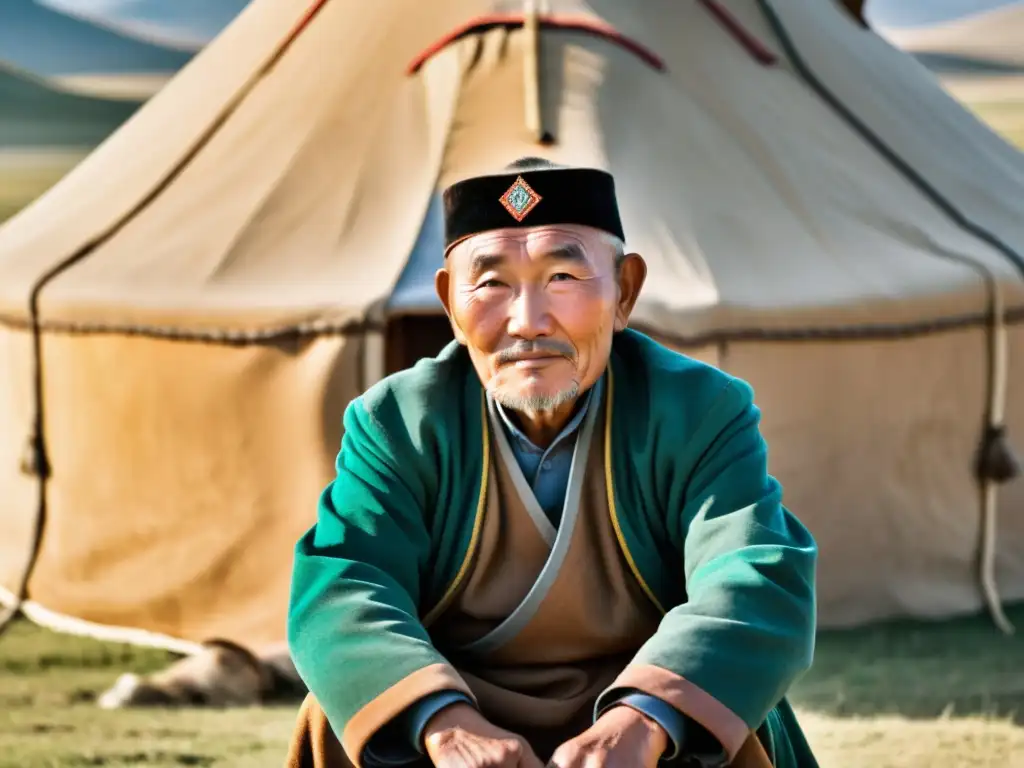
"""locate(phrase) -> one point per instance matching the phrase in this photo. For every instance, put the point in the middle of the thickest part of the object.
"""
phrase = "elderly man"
(557, 543)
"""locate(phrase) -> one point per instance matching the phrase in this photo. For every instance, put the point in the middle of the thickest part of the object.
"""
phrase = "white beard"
(535, 403)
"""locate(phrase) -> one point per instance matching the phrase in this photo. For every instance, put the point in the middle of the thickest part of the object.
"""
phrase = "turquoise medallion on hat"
(520, 199)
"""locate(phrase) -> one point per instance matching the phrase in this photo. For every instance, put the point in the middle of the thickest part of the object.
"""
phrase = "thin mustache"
(523, 348)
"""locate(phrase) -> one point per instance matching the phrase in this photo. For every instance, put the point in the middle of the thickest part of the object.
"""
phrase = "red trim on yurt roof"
(299, 27)
(512, 21)
(743, 36)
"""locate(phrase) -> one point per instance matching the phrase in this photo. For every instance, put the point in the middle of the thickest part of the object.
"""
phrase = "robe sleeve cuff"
(426, 709)
(400, 742)
(694, 702)
(396, 700)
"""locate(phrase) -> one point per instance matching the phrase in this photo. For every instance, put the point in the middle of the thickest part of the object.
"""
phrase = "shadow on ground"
(918, 670)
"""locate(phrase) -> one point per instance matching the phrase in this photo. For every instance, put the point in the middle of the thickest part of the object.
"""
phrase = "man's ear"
(632, 273)
(442, 286)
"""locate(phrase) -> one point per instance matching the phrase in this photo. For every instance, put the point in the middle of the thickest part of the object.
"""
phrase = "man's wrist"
(626, 717)
(456, 716)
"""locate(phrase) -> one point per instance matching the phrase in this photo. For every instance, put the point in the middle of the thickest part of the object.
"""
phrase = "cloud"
(910, 13)
(88, 6)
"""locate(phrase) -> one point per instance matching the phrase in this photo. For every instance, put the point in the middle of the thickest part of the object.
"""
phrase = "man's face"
(536, 308)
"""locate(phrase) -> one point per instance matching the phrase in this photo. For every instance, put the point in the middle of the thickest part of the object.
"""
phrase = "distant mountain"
(949, 64)
(42, 41)
(187, 24)
(192, 23)
(36, 114)
(127, 87)
(994, 39)
(916, 13)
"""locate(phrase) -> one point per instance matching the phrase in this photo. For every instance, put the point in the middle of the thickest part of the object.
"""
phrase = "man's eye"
(491, 284)
(562, 276)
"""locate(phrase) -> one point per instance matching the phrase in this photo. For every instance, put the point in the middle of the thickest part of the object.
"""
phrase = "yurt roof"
(284, 178)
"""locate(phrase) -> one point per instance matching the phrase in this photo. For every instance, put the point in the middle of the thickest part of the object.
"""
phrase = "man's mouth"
(534, 362)
(531, 356)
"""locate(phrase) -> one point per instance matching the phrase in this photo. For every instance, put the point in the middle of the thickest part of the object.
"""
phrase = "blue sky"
(174, 21)
(44, 41)
(206, 17)
(194, 22)
(906, 13)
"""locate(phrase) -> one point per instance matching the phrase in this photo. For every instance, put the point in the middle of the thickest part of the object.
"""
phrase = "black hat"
(533, 194)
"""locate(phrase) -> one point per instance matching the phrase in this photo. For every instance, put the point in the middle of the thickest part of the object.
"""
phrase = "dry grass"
(898, 696)
(893, 742)
(1005, 118)
(47, 719)
(24, 175)
(909, 694)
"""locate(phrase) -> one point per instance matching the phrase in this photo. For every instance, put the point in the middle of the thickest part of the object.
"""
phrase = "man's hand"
(460, 737)
(621, 738)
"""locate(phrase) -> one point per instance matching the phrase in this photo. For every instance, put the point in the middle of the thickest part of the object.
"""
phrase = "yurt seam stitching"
(261, 335)
(253, 335)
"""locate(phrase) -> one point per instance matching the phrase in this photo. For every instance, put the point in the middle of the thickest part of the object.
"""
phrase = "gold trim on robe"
(558, 540)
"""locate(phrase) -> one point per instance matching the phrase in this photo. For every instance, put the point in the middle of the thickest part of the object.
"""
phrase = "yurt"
(184, 317)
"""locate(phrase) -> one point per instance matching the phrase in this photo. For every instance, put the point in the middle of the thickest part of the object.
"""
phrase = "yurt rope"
(996, 463)
(35, 460)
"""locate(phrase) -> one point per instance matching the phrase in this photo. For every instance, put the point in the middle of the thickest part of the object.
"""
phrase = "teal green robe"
(700, 521)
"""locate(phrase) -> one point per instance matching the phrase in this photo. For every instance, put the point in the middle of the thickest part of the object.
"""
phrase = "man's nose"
(528, 315)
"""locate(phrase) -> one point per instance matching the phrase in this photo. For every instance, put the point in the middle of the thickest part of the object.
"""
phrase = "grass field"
(1005, 117)
(897, 696)
(26, 175)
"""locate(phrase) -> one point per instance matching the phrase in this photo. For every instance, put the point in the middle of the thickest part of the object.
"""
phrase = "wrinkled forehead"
(535, 242)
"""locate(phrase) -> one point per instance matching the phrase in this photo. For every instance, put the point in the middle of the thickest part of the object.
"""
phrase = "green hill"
(35, 114)
(38, 39)
(953, 64)
(995, 38)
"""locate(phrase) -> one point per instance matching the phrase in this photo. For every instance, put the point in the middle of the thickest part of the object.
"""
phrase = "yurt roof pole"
(35, 460)
(581, 24)
(996, 463)
(531, 68)
(531, 73)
